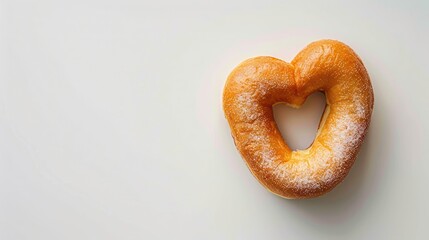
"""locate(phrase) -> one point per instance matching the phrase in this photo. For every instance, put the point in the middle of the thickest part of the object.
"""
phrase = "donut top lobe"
(258, 83)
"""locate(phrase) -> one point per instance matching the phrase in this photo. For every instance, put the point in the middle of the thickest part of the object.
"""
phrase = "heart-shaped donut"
(257, 84)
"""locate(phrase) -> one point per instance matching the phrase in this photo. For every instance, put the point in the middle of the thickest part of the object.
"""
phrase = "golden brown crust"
(257, 84)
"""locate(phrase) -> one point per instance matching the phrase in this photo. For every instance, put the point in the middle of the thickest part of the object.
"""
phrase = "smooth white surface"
(111, 124)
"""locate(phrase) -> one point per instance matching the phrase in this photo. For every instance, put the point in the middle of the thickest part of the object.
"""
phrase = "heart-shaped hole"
(299, 126)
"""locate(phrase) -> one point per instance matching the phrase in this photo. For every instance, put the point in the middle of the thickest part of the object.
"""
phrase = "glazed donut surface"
(257, 84)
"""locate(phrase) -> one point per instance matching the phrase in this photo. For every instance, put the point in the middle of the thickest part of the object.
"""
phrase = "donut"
(257, 84)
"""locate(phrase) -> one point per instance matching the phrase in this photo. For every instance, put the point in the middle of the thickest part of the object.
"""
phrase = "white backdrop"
(111, 124)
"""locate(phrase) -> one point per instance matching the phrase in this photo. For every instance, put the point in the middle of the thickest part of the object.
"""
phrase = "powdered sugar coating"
(311, 174)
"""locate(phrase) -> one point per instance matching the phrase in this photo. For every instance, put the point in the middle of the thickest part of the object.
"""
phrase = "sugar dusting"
(247, 107)
(322, 167)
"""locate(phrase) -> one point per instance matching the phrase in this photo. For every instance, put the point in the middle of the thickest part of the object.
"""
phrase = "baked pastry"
(257, 84)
